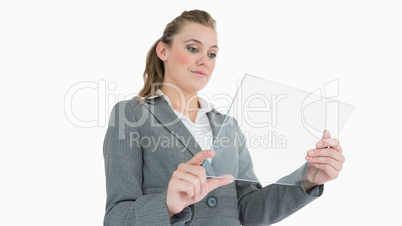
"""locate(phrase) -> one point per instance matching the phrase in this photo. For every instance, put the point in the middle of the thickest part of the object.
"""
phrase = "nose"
(203, 60)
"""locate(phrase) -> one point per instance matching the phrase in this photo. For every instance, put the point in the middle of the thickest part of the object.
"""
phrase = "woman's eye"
(192, 49)
(212, 55)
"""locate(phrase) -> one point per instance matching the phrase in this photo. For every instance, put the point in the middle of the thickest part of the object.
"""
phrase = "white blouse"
(200, 129)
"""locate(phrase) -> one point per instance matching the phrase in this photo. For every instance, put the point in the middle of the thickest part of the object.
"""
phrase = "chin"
(196, 89)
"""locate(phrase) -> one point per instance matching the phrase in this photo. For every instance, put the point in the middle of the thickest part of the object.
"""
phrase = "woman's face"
(190, 60)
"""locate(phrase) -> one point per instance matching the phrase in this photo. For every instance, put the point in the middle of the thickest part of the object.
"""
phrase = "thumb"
(217, 182)
(326, 135)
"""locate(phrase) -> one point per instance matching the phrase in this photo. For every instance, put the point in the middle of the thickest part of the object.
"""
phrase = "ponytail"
(153, 74)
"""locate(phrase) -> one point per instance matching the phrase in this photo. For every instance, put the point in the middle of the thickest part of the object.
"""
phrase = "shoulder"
(128, 105)
(222, 120)
(126, 110)
(226, 117)
(214, 111)
(132, 103)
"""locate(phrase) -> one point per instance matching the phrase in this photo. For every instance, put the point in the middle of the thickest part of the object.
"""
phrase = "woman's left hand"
(327, 157)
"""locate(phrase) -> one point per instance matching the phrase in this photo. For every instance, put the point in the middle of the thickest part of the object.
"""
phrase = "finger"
(192, 179)
(326, 152)
(195, 170)
(199, 158)
(326, 160)
(330, 142)
(178, 186)
(217, 182)
(328, 169)
(326, 134)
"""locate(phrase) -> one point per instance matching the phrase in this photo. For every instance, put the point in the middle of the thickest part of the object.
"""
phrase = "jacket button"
(212, 201)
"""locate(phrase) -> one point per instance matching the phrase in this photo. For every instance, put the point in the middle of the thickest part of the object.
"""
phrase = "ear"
(161, 51)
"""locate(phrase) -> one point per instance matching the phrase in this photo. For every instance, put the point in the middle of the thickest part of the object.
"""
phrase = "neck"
(181, 101)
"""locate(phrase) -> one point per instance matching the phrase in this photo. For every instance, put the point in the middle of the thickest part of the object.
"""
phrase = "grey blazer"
(143, 147)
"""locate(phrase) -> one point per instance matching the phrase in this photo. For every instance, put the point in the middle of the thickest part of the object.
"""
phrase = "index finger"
(199, 158)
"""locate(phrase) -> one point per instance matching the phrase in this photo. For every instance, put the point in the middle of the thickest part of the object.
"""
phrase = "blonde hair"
(154, 69)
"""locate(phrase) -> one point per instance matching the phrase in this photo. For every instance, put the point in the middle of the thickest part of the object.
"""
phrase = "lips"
(200, 74)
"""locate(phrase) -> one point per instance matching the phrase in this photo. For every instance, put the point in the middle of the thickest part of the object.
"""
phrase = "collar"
(205, 105)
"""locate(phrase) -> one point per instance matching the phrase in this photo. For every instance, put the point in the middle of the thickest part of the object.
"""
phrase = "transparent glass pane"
(278, 125)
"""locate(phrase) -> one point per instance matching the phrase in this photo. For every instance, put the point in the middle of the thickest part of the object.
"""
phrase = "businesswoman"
(156, 143)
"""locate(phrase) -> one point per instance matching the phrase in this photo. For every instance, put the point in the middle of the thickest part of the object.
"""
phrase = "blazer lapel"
(161, 110)
(216, 121)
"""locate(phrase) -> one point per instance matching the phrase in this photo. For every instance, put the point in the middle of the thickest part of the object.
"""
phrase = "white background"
(52, 170)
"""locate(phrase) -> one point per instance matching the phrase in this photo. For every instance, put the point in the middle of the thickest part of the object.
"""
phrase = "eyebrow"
(199, 42)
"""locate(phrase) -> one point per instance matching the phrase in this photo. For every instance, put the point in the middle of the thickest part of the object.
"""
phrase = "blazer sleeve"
(268, 205)
(126, 204)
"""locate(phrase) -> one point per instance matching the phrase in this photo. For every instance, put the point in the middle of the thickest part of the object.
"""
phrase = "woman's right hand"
(189, 183)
